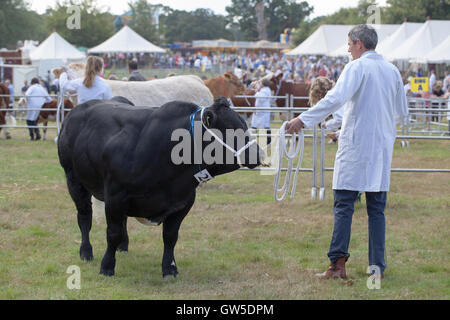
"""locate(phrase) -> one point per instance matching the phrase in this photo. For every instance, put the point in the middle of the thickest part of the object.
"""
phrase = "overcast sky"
(321, 7)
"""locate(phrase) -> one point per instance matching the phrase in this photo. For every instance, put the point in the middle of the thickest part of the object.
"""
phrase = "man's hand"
(294, 126)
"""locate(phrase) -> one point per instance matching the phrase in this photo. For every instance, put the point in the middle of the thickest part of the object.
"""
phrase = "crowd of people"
(252, 65)
(248, 67)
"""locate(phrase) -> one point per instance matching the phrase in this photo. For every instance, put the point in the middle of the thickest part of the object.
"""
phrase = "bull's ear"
(209, 118)
(227, 75)
(221, 102)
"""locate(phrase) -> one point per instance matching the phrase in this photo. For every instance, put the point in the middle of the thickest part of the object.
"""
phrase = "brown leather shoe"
(335, 270)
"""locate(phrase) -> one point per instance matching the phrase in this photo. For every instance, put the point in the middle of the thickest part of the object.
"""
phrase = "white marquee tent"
(431, 34)
(406, 30)
(383, 32)
(126, 41)
(56, 47)
(440, 53)
(323, 41)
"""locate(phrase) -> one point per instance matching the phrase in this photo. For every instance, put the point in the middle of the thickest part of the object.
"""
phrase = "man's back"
(372, 91)
(136, 76)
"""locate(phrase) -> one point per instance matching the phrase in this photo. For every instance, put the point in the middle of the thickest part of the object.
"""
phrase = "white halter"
(235, 152)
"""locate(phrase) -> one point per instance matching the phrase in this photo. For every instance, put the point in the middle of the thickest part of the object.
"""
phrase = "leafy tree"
(95, 26)
(280, 14)
(143, 20)
(416, 10)
(17, 22)
(349, 16)
(201, 24)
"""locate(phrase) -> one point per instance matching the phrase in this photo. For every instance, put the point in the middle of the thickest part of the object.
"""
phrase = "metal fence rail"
(418, 107)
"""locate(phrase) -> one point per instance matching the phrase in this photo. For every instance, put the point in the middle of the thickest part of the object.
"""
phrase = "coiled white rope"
(296, 146)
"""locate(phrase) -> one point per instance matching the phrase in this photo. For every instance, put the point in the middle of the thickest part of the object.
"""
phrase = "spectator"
(36, 97)
(25, 87)
(134, 73)
(446, 86)
(432, 79)
(437, 93)
(437, 89)
(261, 119)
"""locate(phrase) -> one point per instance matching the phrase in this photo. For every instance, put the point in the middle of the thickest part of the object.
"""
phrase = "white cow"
(157, 92)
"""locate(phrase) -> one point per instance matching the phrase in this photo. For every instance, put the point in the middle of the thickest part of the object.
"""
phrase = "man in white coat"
(372, 91)
(36, 97)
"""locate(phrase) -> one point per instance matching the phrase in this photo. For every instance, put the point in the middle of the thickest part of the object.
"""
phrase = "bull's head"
(230, 132)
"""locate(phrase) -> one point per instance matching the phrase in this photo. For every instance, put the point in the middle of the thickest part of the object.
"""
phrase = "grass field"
(236, 243)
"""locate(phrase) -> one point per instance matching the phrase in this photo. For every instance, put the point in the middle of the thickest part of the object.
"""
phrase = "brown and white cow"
(226, 85)
(50, 115)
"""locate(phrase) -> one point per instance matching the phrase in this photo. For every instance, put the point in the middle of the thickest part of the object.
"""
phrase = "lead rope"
(295, 148)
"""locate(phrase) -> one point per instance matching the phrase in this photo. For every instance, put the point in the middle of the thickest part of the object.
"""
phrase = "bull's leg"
(171, 226)
(123, 246)
(82, 199)
(115, 217)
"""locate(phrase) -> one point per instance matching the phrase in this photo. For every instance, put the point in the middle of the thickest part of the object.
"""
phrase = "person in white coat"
(373, 91)
(261, 119)
(36, 97)
(92, 86)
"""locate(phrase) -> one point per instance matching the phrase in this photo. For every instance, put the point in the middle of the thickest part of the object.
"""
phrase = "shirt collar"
(368, 52)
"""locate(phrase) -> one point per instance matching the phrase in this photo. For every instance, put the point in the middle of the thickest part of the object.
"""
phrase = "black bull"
(121, 155)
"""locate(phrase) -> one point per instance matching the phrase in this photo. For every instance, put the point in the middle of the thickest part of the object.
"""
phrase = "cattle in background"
(226, 85)
(22, 105)
(127, 162)
(275, 81)
(296, 89)
(50, 115)
(4, 101)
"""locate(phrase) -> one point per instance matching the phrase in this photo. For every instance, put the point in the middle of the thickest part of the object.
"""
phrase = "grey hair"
(366, 34)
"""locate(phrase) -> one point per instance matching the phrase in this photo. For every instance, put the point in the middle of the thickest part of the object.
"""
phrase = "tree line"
(246, 20)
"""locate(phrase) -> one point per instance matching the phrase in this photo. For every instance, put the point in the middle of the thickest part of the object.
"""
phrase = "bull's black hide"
(121, 154)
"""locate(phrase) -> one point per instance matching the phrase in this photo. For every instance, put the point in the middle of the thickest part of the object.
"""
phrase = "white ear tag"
(203, 176)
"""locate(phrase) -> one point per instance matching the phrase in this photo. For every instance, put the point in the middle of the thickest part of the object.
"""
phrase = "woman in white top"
(92, 86)
(261, 119)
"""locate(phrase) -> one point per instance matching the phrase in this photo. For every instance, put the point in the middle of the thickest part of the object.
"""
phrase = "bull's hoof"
(123, 247)
(170, 276)
(170, 272)
(107, 272)
(8, 137)
(86, 253)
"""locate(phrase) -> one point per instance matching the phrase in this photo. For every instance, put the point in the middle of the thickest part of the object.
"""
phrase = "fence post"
(322, 164)
(59, 115)
(314, 166)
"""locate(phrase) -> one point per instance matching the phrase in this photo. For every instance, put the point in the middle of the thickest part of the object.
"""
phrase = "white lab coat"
(261, 119)
(99, 90)
(373, 91)
(36, 97)
(336, 122)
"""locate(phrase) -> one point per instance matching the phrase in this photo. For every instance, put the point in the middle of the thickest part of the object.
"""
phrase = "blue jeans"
(343, 212)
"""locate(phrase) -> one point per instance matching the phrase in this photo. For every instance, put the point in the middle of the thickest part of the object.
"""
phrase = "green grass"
(236, 243)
